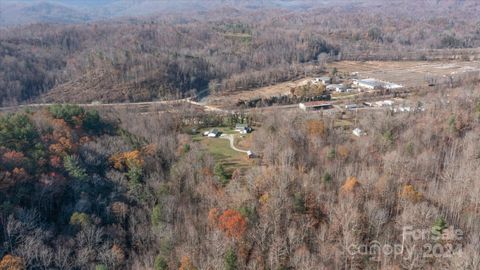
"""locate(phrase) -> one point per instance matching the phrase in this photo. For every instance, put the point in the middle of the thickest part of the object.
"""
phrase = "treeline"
(73, 190)
(79, 191)
(224, 50)
(321, 198)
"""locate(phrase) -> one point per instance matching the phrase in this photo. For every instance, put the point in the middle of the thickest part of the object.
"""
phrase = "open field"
(221, 151)
(407, 73)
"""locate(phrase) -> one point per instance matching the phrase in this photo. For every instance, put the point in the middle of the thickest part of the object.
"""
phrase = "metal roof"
(316, 103)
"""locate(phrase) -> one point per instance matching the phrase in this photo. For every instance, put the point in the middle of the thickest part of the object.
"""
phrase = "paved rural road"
(123, 104)
(231, 138)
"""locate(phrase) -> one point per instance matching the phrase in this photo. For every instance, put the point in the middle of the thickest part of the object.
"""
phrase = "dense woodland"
(80, 191)
(125, 189)
(223, 49)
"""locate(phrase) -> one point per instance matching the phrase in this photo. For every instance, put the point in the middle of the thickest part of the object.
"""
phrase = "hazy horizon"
(23, 12)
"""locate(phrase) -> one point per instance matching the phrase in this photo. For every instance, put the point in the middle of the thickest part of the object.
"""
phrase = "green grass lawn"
(220, 150)
(342, 123)
(339, 96)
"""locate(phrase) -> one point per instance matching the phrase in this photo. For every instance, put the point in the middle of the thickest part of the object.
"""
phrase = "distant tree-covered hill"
(222, 47)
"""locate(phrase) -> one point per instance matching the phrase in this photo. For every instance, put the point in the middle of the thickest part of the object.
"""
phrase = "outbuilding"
(371, 84)
(315, 106)
(358, 132)
(336, 87)
(214, 133)
(243, 128)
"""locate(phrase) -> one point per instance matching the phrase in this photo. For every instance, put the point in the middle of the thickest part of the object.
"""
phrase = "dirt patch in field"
(407, 73)
(230, 99)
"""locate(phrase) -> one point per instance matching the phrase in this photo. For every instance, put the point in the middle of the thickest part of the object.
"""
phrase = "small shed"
(214, 133)
(370, 83)
(325, 80)
(336, 87)
(358, 132)
(315, 106)
(351, 106)
(243, 128)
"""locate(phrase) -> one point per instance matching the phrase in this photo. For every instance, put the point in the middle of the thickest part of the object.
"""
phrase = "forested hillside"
(361, 174)
(225, 49)
(73, 190)
(80, 191)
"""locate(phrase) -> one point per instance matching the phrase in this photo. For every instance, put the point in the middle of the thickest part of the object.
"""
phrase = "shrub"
(327, 177)
(221, 174)
(66, 112)
(156, 215)
(439, 226)
(332, 154)
(186, 148)
(74, 169)
(248, 212)
(92, 121)
(101, 267)
(410, 149)
(388, 137)
(80, 219)
(160, 263)
(135, 175)
(186, 264)
(230, 260)
(17, 132)
(299, 203)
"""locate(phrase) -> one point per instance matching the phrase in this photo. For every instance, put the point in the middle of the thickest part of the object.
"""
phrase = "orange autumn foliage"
(84, 140)
(55, 161)
(315, 127)
(62, 147)
(213, 216)
(186, 264)
(150, 149)
(119, 209)
(410, 193)
(232, 223)
(10, 262)
(13, 157)
(118, 253)
(207, 171)
(19, 173)
(350, 186)
(61, 129)
(343, 151)
(122, 161)
(61, 138)
(264, 198)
